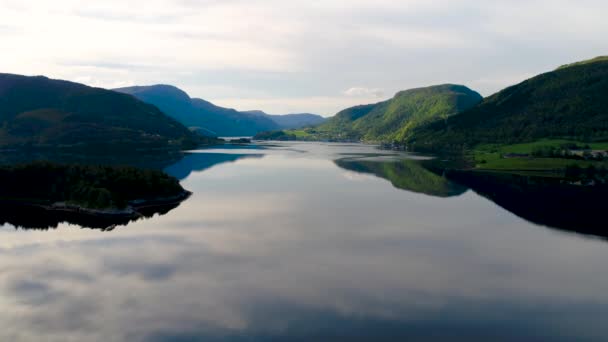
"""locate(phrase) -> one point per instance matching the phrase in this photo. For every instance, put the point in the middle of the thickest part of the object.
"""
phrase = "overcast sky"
(285, 56)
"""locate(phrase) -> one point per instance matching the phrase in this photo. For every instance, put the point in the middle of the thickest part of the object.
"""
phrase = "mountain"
(570, 102)
(41, 112)
(200, 113)
(292, 121)
(213, 119)
(396, 118)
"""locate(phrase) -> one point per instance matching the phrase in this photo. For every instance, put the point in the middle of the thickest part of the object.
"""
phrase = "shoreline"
(131, 211)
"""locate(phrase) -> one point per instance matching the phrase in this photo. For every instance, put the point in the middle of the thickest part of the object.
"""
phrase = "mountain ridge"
(37, 111)
(196, 112)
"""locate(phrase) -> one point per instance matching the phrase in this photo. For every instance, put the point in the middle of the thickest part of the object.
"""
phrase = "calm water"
(307, 242)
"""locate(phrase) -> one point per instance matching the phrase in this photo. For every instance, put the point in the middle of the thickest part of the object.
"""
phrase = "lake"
(311, 241)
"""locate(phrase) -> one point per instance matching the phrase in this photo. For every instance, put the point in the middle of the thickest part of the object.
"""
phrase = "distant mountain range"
(568, 103)
(39, 112)
(212, 119)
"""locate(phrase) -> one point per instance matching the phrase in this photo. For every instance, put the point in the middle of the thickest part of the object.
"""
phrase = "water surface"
(307, 241)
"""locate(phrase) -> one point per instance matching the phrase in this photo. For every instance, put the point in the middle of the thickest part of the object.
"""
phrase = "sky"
(288, 56)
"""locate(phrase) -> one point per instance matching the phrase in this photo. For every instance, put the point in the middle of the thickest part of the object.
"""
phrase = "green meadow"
(492, 156)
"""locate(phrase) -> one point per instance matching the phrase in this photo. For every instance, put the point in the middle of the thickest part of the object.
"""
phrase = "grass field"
(529, 147)
(490, 157)
(308, 134)
(300, 133)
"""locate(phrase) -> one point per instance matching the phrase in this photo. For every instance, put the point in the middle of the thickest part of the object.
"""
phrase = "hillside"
(212, 119)
(568, 103)
(39, 112)
(394, 119)
(589, 61)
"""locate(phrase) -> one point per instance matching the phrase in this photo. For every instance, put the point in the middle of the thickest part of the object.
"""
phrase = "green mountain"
(39, 112)
(396, 118)
(569, 103)
(212, 119)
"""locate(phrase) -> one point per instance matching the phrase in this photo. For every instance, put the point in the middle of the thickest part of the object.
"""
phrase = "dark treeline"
(86, 185)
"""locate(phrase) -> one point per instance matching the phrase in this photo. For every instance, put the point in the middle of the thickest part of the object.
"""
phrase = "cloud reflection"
(250, 258)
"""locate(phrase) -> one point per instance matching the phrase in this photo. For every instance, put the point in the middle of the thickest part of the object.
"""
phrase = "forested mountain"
(395, 119)
(40, 112)
(570, 102)
(213, 119)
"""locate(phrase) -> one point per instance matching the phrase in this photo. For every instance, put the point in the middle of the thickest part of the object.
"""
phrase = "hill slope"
(589, 61)
(396, 118)
(570, 102)
(41, 112)
(220, 121)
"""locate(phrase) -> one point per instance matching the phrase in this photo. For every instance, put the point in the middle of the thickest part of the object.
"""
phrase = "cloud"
(281, 50)
(33, 292)
(364, 92)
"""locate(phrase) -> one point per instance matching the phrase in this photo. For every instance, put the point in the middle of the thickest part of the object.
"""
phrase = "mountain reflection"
(551, 202)
(179, 166)
(146, 160)
(407, 175)
(286, 248)
(202, 161)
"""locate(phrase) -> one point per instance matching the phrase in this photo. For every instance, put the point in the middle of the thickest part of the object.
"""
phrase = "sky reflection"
(286, 247)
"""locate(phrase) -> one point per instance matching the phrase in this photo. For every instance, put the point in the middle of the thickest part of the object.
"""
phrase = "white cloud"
(364, 92)
(283, 50)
